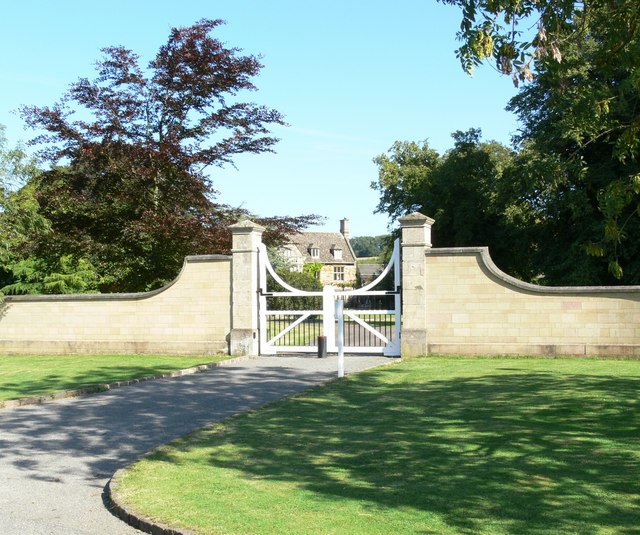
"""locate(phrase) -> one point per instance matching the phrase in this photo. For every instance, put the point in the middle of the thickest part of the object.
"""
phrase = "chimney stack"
(344, 228)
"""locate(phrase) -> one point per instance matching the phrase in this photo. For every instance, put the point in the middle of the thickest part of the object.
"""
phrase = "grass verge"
(27, 376)
(433, 445)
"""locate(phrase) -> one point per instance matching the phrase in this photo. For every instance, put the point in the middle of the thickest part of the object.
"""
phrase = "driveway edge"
(34, 400)
(146, 525)
(135, 521)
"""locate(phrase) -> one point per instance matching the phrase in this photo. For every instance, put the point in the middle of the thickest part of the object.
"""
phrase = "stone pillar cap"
(246, 224)
(416, 219)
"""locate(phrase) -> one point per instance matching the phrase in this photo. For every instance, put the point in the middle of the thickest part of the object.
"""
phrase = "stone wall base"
(107, 347)
(569, 350)
(243, 342)
(413, 343)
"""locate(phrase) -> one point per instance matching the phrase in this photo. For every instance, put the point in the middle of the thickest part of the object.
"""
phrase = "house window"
(315, 252)
(338, 273)
(337, 254)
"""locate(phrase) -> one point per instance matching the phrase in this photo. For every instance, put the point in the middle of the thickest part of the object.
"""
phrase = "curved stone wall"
(474, 308)
(189, 316)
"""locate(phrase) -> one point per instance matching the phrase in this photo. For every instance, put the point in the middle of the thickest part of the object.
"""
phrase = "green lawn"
(26, 376)
(304, 334)
(432, 445)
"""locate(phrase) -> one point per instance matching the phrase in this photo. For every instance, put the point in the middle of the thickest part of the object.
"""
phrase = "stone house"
(369, 272)
(330, 249)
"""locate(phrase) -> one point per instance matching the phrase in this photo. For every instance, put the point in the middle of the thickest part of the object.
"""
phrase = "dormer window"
(314, 251)
(336, 252)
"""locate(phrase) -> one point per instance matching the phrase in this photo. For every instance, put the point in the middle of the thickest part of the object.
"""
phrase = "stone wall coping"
(487, 262)
(194, 259)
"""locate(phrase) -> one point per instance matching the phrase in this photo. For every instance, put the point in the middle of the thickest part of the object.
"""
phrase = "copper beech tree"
(130, 151)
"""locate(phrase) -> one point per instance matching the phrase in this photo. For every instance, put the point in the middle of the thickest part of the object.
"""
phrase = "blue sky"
(350, 76)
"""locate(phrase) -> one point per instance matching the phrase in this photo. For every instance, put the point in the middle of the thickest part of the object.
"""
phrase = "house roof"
(326, 242)
(370, 270)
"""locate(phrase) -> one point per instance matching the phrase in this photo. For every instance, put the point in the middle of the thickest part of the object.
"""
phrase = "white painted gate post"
(339, 315)
(329, 317)
(416, 239)
(247, 236)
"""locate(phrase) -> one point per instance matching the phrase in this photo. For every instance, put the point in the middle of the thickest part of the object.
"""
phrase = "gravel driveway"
(56, 458)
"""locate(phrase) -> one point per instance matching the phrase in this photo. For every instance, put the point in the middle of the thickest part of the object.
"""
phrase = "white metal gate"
(291, 320)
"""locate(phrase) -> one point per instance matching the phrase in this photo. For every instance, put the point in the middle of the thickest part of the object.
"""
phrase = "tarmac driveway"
(56, 458)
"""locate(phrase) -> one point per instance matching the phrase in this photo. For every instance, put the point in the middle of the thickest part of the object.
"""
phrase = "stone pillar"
(416, 239)
(244, 339)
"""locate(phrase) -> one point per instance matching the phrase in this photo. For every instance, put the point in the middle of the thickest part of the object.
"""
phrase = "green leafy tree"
(581, 123)
(464, 193)
(580, 128)
(313, 269)
(127, 188)
(404, 176)
(67, 276)
(302, 281)
(515, 35)
(20, 219)
(18, 208)
(369, 246)
(22, 224)
(16, 167)
(278, 260)
(463, 190)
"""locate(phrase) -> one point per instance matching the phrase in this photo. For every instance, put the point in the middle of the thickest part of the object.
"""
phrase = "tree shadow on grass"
(521, 452)
(63, 452)
(95, 377)
(100, 434)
